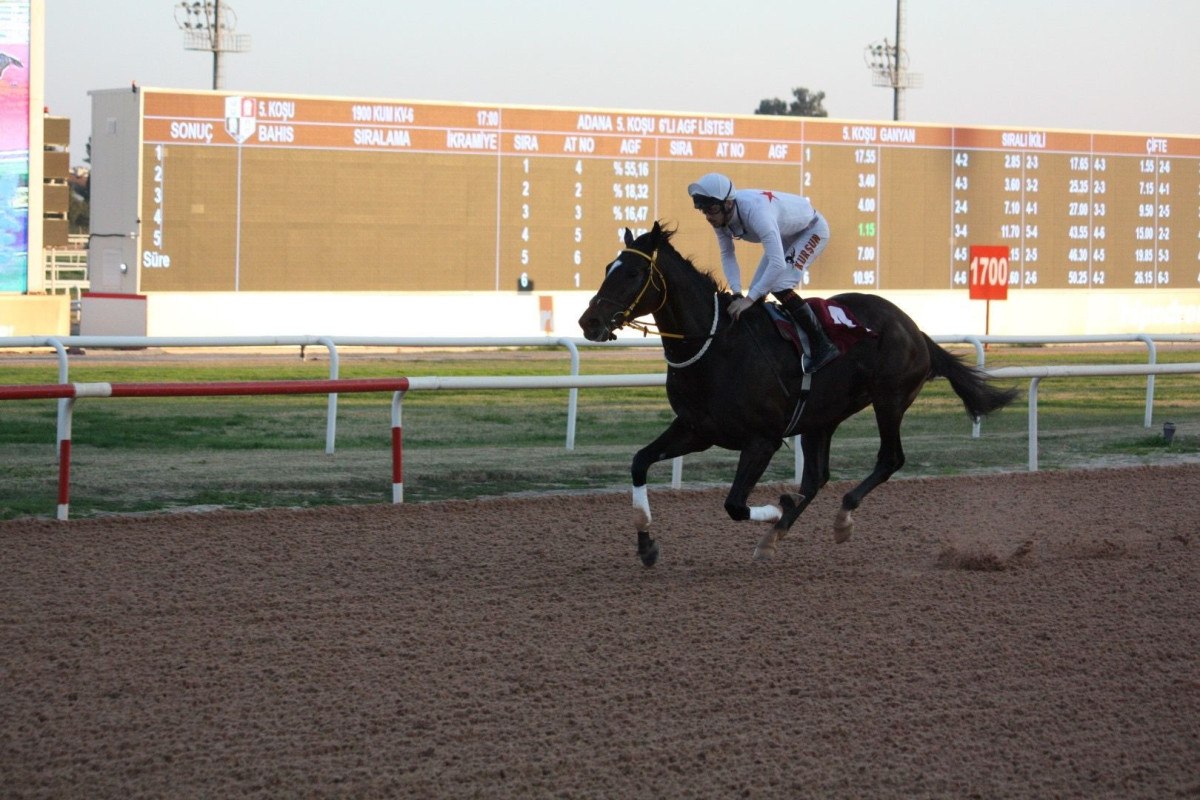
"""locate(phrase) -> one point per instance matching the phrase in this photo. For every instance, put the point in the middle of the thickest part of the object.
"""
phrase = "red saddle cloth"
(837, 320)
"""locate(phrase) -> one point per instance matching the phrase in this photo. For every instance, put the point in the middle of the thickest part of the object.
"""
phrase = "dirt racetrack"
(1017, 635)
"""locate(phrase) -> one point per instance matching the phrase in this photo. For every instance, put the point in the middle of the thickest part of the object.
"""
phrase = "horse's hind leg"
(889, 459)
(677, 440)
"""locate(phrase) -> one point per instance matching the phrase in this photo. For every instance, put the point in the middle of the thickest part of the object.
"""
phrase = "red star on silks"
(770, 196)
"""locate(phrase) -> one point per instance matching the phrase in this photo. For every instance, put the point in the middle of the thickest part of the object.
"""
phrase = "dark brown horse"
(739, 385)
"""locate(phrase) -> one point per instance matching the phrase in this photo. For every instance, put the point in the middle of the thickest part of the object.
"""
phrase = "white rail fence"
(575, 381)
(980, 344)
(1037, 374)
(64, 345)
(69, 392)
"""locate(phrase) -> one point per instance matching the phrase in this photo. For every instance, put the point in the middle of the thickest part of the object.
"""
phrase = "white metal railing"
(469, 383)
(980, 344)
(1036, 374)
(67, 273)
(63, 344)
(66, 264)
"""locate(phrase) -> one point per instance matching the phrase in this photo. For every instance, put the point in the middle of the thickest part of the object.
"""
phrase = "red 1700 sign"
(989, 272)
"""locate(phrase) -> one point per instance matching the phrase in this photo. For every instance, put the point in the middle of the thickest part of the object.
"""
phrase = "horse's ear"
(657, 234)
(628, 238)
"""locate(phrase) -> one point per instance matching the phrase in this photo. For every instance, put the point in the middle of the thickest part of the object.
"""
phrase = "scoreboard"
(272, 193)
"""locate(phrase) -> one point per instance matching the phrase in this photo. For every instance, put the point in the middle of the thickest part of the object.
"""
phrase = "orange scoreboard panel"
(272, 193)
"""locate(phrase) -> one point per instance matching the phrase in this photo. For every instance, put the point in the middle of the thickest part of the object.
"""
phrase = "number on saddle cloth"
(840, 325)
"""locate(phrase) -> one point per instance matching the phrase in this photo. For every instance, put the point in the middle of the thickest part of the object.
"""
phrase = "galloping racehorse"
(740, 385)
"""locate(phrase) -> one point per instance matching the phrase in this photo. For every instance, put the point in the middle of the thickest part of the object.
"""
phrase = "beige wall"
(35, 315)
(1044, 312)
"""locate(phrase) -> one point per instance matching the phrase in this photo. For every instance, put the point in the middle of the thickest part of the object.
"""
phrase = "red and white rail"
(73, 391)
(70, 392)
(399, 386)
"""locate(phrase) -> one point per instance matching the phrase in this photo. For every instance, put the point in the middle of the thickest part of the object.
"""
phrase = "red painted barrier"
(38, 391)
(230, 388)
(73, 391)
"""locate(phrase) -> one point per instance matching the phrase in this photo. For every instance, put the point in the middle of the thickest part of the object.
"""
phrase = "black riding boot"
(823, 350)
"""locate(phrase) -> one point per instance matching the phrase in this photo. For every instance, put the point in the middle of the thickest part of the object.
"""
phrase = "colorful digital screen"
(14, 145)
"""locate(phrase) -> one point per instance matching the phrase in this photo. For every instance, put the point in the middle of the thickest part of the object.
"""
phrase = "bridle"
(656, 279)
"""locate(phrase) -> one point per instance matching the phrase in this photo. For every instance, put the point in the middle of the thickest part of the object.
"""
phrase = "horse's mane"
(668, 233)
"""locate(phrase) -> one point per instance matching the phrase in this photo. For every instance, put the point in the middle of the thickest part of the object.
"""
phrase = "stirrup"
(822, 357)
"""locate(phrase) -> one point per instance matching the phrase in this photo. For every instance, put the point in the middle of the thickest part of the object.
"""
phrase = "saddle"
(839, 324)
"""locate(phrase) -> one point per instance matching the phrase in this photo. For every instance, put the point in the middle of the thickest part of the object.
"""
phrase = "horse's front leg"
(677, 440)
(815, 447)
(753, 462)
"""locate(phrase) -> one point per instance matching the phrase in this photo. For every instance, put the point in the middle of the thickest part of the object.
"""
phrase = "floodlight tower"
(209, 25)
(889, 65)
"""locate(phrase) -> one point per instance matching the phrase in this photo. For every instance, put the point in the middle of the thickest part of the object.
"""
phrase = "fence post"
(572, 393)
(1033, 424)
(331, 409)
(61, 424)
(397, 447)
(1153, 350)
(66, 409)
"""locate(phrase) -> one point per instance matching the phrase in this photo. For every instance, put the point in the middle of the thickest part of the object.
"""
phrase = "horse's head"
(633, 286)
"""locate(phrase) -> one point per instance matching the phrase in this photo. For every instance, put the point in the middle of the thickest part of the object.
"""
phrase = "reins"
(708, 340)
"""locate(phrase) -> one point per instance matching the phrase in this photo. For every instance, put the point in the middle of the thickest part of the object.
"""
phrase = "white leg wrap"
(641, 505)
(766, 513)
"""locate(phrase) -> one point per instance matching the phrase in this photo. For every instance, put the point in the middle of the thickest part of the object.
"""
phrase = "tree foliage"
(806, 104)
(79, 213)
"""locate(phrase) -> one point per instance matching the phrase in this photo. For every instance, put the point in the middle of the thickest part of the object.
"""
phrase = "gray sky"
(1080, 64)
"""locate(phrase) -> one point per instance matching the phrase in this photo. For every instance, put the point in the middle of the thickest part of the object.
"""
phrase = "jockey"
(792, 234)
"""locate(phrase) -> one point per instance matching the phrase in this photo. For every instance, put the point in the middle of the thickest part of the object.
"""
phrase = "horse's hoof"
(843, 526)
(780, 531)
(649, 554)
(764, 553)
(765, 549)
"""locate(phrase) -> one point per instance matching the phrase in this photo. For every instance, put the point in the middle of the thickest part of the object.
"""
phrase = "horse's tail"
(969, 383)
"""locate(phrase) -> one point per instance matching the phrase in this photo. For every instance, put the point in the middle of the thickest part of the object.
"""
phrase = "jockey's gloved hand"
(739, 305)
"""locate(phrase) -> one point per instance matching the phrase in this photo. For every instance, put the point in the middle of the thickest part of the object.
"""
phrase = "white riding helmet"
(711, 189)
